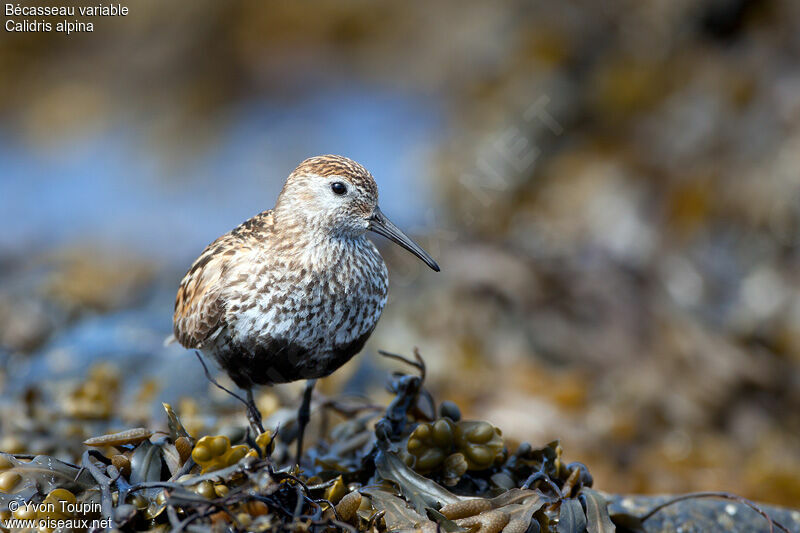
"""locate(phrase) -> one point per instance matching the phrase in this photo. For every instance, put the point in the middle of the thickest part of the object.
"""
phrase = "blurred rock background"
(612, 189)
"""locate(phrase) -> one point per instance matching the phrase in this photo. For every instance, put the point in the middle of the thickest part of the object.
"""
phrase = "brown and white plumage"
(294, 292)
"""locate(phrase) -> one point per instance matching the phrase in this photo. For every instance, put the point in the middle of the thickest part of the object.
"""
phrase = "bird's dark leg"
(253, 414)
(303, 416)
(213, 381)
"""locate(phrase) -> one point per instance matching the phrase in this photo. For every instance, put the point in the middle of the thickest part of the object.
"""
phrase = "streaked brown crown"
(336, 165)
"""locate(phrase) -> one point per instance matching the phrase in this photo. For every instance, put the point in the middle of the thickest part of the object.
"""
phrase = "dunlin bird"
(294, 292)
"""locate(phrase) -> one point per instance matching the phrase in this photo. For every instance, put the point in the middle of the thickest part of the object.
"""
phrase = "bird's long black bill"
(383, 226)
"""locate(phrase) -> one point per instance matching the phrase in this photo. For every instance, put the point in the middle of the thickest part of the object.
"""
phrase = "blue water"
(115, 188)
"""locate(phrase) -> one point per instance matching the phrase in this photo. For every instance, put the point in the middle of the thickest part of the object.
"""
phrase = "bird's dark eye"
(339, 188)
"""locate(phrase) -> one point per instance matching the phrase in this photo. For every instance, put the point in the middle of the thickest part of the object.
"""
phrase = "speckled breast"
(303, 319)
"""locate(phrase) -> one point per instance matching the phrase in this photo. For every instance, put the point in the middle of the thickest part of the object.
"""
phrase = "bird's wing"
(200, 303)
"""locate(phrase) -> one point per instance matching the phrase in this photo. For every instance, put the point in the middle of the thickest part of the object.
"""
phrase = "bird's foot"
(256, 424)
(254, 415)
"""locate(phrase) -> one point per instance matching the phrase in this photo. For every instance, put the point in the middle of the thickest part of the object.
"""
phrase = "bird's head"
(338, 197)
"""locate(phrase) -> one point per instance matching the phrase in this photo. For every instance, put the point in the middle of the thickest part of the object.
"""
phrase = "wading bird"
(294, 292)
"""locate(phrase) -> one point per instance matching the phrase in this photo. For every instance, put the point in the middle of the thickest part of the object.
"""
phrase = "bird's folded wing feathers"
(200, 303)
(199, 307)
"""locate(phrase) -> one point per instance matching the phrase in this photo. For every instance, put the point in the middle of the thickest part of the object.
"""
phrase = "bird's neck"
(314, 249)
